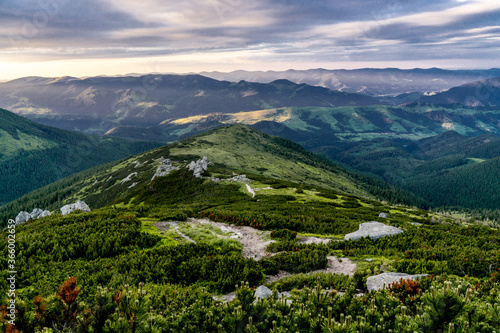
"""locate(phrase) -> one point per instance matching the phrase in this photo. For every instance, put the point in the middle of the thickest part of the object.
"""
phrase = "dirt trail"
(255, 247)
(251, 239)
(250, 190)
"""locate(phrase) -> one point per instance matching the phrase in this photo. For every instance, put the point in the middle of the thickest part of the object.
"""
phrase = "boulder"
(164, 169)
(382, 215)
(36, 213)
(383, 280)
(79, 205)
(263, 292)
(373, 229)
(198, 167)
(240, 179)
(22, 217)
(128, 178)
(44, 213)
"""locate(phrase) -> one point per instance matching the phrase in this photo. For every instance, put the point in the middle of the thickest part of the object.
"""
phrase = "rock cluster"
(35, 214)
(198, 167)
(373, 229)
(79, 205)
(164, 169)
(380, 281)
(240, 179)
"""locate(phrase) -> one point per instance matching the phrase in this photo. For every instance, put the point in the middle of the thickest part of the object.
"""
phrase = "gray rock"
(263, 292)
(22, 217)
(164, 169)
(79, 205)
(44, 213)
(240, 179)
(128, 178)
(199, 166)
(383, 280)
(373, 229)
(35, 213)
(383, 215)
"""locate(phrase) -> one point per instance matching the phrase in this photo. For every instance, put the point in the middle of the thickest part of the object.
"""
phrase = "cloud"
(264, 31)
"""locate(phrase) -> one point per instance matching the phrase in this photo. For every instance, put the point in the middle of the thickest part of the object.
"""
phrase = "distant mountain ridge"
(371, 81)
(98, 104)
(478, 94)
(313, 126)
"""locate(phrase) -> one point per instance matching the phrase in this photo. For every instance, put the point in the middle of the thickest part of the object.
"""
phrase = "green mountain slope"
(402, 145)
(315, 126)
(34, 155)
(446, 170)
(98, 104)
(236, 148)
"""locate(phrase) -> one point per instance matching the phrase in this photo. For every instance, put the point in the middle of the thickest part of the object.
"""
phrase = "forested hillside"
(34, 155)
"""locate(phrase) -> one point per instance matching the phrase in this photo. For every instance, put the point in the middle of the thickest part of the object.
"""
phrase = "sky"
(115, 37)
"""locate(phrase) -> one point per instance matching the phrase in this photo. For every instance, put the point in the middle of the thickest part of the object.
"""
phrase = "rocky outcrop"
(79, 205)
(382, 215)
(22, 217)
(37, 213)
(44, 213)
(383, 280)
(198, 167)
(164, 169)
(374, 230)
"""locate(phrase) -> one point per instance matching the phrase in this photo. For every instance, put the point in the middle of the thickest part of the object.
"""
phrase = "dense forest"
(35, 155)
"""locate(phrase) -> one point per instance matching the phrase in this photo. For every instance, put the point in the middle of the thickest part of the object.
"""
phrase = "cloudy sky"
(94, 37)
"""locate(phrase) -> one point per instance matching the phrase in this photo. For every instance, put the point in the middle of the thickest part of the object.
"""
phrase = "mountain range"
(189, 236)
(361, 133)
(370, 81)
(96, 105)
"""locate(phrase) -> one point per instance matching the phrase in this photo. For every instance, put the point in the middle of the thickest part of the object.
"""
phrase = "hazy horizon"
(109, 37)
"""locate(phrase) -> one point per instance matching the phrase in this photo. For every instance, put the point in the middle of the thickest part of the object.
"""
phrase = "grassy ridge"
(236, 148)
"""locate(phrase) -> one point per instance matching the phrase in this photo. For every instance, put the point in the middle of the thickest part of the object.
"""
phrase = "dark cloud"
(290, 30)
(56, 20)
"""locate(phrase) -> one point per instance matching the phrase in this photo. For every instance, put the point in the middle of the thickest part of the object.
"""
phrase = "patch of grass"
(202, 233)
(168, 237)
(324, 236)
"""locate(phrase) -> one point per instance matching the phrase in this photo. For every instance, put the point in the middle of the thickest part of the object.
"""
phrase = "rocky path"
(255, 243)
(250, 190)
(252, 239)
(255, 247)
